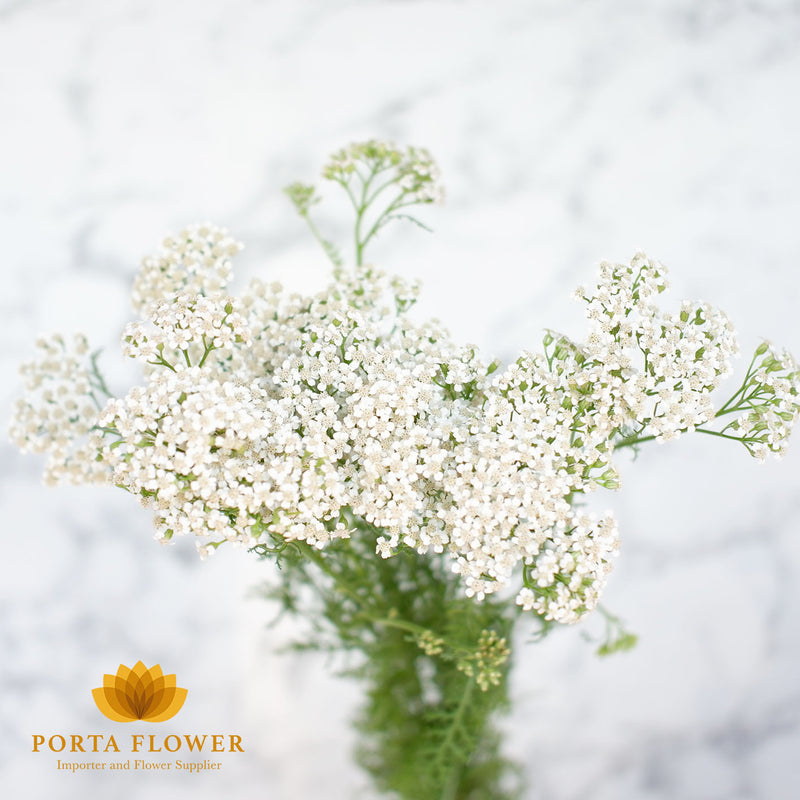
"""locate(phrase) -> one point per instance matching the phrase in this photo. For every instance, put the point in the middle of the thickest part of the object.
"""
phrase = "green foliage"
(626, 641)
(617, 639)
(434, 663)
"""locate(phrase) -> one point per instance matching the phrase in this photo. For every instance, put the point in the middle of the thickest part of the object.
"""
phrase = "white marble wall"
(567, 132)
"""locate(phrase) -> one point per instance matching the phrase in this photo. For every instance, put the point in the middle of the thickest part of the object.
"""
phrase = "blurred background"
(567, 132)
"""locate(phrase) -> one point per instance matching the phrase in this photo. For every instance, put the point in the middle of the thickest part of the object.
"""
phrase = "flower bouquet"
(423, 504)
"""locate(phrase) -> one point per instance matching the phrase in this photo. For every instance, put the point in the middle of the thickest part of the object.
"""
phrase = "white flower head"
(283, 417)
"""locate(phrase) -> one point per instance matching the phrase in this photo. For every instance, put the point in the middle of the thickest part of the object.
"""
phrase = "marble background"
(567, 132)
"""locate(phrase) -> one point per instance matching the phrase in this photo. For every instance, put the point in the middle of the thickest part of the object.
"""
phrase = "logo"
(139, 694)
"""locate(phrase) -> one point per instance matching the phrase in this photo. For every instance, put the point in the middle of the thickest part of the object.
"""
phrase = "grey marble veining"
(567, 132)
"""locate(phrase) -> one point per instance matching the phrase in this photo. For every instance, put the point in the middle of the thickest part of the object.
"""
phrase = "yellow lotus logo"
(139, 693)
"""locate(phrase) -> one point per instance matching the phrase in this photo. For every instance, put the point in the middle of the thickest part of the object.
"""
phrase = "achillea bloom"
(278, 417)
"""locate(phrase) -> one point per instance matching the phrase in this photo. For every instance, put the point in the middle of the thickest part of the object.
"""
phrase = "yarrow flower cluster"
(767, 404)
(418, 173)
(276, 417)
(184, 329)
(486, 662)
(57, 415)
(666, 365)
(197, 260)
(318, 409)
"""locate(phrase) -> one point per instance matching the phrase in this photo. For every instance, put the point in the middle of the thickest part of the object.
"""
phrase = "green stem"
(323, 243)
(101, 384)
(395, 205)
(380, 189)
(742, 388)
(720, 434)
(633, 440)
(361, 209)
(346, 187)
(206, 353)
(358, 245)
(453, 779)
(322, 564)
(162, 363)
